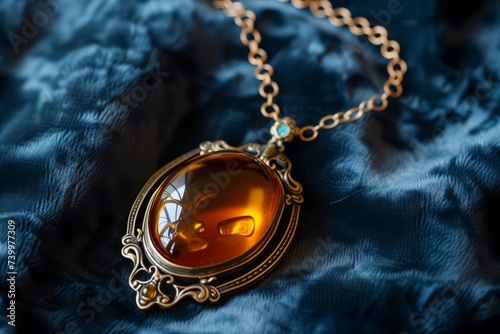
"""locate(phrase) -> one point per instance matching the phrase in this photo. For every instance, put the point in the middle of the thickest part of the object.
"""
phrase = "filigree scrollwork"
(282, 165)
(221, 145)
(152, 291)
(290, 198)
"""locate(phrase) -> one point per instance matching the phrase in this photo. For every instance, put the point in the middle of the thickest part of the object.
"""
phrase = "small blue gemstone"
(283, 130)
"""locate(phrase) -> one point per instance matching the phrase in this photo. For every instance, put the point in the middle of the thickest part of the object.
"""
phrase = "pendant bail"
(284, 130)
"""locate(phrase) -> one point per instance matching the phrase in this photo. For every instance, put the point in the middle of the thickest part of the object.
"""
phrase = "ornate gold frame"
(165, 284)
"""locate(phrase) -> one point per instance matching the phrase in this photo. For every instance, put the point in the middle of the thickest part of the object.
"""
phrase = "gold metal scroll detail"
(151, 291)
(220, 145)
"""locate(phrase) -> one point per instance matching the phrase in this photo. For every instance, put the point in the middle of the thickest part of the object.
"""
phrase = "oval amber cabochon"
(214, 209)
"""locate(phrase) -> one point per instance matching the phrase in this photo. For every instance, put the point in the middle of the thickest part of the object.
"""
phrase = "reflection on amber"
(183, 236)
(237, 226)
(214, 209)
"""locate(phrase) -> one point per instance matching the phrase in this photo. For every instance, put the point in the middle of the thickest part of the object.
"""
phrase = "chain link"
(269, 89)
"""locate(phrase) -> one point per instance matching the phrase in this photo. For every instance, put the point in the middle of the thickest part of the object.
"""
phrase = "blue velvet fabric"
(400, 227)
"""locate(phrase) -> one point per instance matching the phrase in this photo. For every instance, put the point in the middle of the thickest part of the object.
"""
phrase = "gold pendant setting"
(213, 221)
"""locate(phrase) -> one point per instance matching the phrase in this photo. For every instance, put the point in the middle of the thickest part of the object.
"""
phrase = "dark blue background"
(400, 227)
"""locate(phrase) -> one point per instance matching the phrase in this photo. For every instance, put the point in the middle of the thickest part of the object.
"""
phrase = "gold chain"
(268, 89)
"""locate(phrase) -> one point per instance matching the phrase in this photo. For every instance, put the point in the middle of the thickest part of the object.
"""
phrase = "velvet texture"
(400, 227)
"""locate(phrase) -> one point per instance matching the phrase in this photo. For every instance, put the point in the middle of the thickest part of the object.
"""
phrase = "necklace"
(218, 218)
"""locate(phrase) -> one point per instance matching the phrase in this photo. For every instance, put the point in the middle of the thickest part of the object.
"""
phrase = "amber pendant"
(212, 222)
